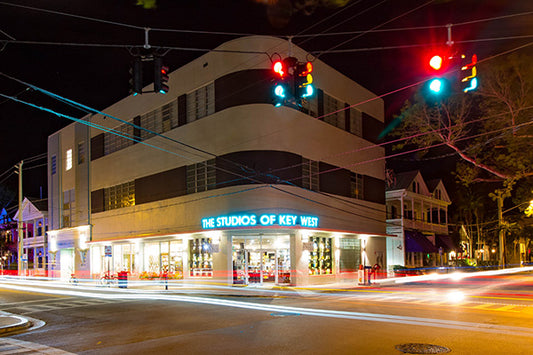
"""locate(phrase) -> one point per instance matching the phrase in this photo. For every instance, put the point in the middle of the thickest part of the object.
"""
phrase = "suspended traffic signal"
(304, 79)
(469, 74)
(136, 84)
(292, 82)
(281, 90)
(160, 76)
(437, 64)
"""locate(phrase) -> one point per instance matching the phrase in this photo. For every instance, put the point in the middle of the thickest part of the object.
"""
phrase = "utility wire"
(340, 23)
(299, 35)
(8, 176)
(380, 25)
(4, 95)
(413, 28)
(207, 50)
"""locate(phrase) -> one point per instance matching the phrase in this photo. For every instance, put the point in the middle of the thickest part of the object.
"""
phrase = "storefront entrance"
(260, 259)
(66, 260)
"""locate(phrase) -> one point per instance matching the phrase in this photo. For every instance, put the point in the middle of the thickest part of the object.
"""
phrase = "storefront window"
(151, 259)
(320, 262)
(176, 259)
(97, 260)
(349, 254)
(201, 259)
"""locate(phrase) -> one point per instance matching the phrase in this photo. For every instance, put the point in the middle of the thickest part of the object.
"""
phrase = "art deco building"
(211, 182)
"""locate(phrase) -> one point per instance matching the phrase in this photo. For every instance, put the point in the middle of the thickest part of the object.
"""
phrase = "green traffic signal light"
(436, 85)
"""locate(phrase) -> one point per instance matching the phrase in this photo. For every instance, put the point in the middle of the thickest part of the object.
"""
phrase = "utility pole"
(499, 198)
(19, 222)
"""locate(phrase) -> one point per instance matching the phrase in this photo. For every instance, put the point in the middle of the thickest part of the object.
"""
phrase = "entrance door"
(66, 259)
(261, 259)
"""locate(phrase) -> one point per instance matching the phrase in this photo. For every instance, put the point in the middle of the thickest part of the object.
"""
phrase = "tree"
(490, 129)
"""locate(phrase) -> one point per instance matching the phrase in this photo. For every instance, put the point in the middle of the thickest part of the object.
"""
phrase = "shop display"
(320, 261)
(201, 259)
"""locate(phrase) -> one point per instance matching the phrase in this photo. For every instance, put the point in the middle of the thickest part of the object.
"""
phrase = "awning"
(445, 242)
(416, 242)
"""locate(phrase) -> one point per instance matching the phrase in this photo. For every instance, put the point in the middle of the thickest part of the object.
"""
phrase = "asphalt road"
(359, 321)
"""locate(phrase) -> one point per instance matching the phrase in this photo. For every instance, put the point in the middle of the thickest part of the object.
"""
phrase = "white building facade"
(417, 213)
(211, 182)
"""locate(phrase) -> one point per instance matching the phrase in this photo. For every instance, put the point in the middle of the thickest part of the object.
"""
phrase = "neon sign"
(250, 220)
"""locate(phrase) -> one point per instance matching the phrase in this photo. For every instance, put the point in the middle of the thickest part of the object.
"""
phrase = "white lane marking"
(25, 346)
(374, 317)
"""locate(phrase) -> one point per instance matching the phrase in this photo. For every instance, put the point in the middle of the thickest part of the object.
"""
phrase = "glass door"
(283, 261)
(261, 259)
(254, 269)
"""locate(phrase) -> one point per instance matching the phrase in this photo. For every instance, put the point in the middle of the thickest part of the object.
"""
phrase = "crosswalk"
(53, 304)
(15, 346)
(467, 303)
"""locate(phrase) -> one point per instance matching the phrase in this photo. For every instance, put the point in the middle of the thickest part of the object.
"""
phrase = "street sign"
(107, 250)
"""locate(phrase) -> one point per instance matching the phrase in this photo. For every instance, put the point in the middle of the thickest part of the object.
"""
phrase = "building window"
(310, 106)
(53, 164)
(68, 160)
(151, 124)
(169, 116)
(81, 153)
(200, 256)
(356, 185)
(201, 103)
(320, 256)
(416, 187)
(356, 122)
(310, 174)
(334, 112)
(349, 254)
(201, 176)
(69, 204)
(119, 196)
(116, 141)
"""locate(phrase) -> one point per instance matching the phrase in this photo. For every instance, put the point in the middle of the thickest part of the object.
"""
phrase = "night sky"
(97, 76)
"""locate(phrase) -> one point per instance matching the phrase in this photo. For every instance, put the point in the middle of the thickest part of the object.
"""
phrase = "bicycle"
(73, 280)
(108, 280)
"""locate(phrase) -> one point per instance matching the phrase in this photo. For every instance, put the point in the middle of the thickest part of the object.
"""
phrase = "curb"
(18, 323)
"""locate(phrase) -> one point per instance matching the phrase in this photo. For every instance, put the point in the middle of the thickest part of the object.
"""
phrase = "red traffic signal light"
(436, 62)
(160, 76)
(279, 68)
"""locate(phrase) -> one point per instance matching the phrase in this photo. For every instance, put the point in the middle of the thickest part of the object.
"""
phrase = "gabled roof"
(432, 184)
(403, 180)
(30, 210)
(40, 204)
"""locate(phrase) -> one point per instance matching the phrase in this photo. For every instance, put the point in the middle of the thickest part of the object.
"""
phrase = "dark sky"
(98, 76)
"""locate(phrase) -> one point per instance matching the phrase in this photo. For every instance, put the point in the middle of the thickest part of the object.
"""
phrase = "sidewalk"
(11, 323)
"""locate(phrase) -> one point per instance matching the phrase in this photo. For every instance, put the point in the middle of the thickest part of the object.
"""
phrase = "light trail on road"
(456, 276)
(374, 317)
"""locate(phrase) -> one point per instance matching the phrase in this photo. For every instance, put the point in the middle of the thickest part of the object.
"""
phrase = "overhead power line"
(380, 25)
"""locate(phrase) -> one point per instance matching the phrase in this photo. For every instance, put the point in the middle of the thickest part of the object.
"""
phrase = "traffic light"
(160, 76)
(281, 88)
(469, 73)
(303, 80)
(437, 64)
(136, 84)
